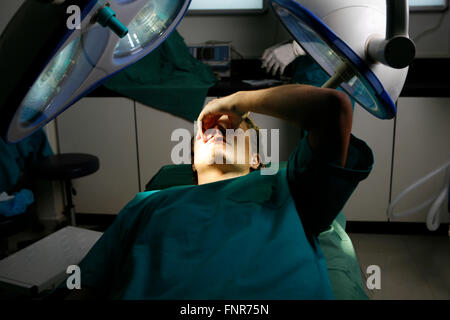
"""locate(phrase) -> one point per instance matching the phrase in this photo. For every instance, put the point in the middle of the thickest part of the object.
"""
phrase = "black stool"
(65, 167)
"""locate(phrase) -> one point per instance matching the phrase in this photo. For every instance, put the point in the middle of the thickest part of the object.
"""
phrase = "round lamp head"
(51, 64)
(336, 34)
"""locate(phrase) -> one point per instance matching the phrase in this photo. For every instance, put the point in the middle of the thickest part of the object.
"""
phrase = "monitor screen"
(229, 6)
(428, 5)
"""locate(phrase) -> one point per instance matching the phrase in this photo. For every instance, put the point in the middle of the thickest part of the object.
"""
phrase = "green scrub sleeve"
(320, 189)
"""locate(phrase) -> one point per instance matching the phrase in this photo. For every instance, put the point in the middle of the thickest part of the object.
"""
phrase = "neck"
(219, 172)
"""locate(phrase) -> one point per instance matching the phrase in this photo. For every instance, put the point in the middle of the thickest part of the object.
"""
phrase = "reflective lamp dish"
(49, 66)
(335, 57)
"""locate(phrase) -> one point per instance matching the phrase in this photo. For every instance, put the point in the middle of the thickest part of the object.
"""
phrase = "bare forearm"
(325, 113)
(303, 105)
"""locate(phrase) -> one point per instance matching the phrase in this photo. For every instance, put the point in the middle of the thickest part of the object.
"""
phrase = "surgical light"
(47, 67)
(362, 44)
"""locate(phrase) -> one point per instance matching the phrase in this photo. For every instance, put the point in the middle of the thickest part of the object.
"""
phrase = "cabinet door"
(370, 200)
(154, 131)
(104, 127)
(422, 144)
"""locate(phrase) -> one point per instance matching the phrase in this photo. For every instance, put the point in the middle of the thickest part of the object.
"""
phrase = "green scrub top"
(250, 237)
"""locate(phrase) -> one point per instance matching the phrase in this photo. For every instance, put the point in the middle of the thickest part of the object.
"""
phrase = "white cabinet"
(405, 149)
(154, 130)
(370, 200)
(422, 144)
(104, 127)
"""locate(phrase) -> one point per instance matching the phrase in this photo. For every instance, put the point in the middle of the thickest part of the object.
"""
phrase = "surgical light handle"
(106, 17)
(343, 73)
(396, 50)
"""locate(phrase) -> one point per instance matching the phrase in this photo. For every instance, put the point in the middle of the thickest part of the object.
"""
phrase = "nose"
(213, 131)
(216, 130)
(220, 128)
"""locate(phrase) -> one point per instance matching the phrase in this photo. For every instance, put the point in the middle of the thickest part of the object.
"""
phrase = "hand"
(279, 57)
(216, 109)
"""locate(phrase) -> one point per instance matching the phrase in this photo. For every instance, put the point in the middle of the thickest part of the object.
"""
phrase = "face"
(230, 150)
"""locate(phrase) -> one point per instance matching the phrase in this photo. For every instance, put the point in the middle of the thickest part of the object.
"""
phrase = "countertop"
(426, 78)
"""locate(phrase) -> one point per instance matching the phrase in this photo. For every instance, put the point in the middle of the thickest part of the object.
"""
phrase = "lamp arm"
(397, 12)
(397, 50)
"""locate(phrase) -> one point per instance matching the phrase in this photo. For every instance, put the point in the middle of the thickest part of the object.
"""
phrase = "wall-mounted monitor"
(227, 6)
(428, 5)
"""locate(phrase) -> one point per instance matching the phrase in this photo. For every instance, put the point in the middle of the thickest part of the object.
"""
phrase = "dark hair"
(250, 125)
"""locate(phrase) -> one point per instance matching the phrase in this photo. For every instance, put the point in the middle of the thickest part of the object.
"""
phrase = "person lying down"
(238, 234)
